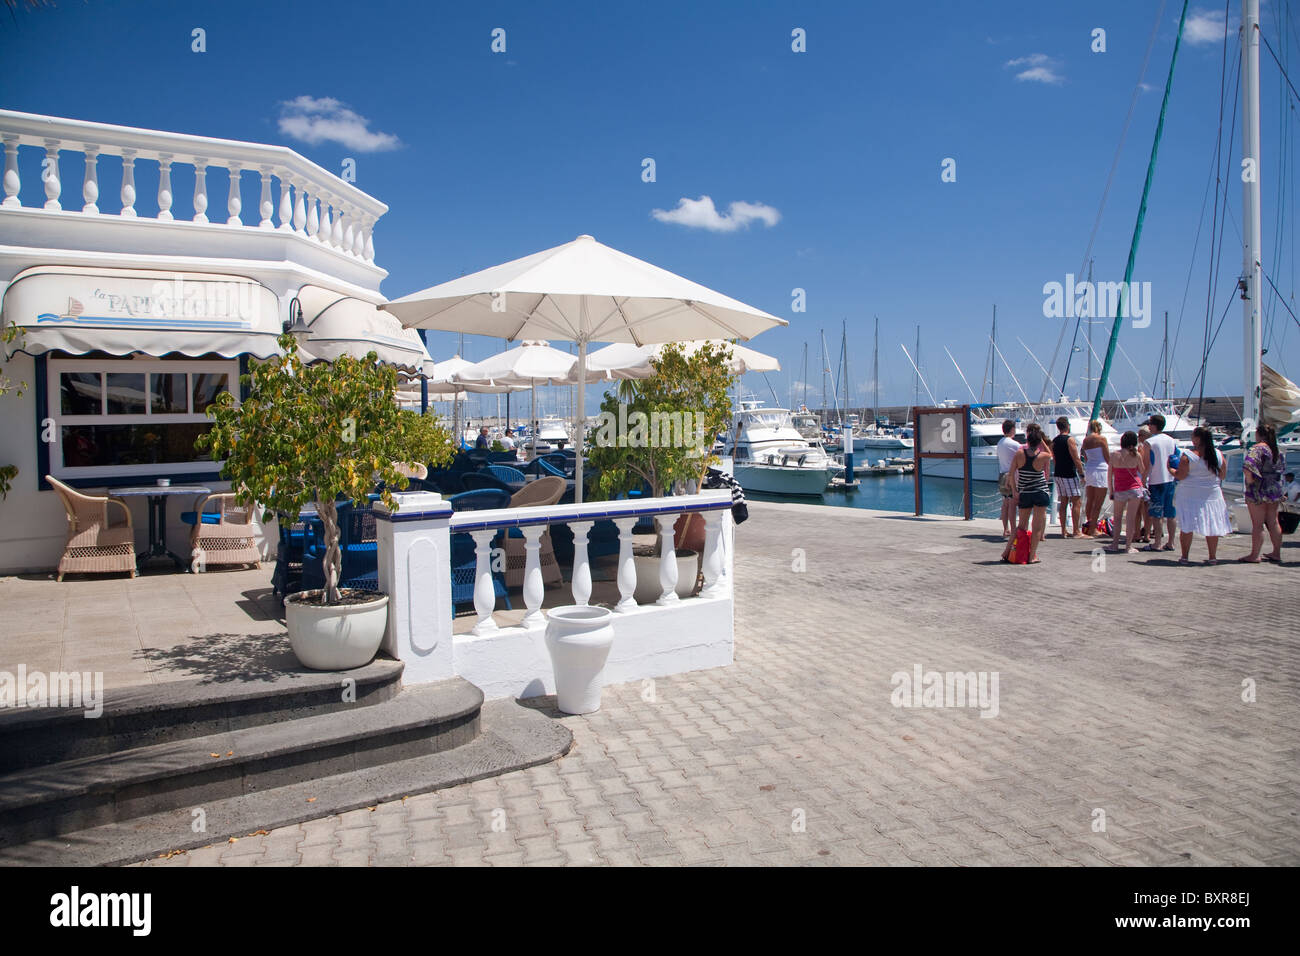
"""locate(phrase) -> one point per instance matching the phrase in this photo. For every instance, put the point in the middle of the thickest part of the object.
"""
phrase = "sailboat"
(1268, 396)
(879, 441)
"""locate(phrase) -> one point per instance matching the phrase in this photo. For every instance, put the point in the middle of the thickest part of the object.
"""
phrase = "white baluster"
(336, 237)
(12, 180)
(667, 562)
(286, 204)
(370, 241)
(300, 212)
(326, 234)
(581, 566)
(347, 232)
(90, 188)
(534, 590)
(626, 566)
(264, 205)
(313, 217)
(128, 183)
(165, 187)
(51, 175)
(359, 240)
(234, 204)
(200, 190)
(485, 597)
(712, 554)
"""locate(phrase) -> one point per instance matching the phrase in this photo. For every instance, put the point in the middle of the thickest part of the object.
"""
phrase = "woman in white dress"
(1096, 474)
(1199, 495)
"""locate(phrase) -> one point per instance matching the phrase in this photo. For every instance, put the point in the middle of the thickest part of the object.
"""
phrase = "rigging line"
(1280, 67)
(1279, 297)
(1200, 375)
(1114, 165)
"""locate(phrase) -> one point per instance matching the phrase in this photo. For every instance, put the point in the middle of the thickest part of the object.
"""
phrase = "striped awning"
(123, 311)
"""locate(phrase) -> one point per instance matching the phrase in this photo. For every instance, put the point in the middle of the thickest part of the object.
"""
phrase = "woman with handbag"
(1032, 496)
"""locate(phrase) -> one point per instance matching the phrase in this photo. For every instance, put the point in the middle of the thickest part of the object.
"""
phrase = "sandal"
(1183, 561)
(1211, 561)
(1248, 560)
(1272, 560)
(1168, 547)
(1149, 547)
(1034, 561)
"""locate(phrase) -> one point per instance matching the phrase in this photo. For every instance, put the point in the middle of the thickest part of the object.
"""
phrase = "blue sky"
(484, 157)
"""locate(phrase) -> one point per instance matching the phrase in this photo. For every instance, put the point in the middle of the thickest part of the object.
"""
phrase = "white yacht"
(769, 455)
(1133, 414)
(876, 441)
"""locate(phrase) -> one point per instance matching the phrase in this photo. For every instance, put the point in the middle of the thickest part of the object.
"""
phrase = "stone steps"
(225, 758)
(176, 710)
(513, 737)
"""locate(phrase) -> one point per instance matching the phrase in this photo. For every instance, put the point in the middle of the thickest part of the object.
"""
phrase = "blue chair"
(358, 548)
(464, 555)
(511, 476)
(479, 480)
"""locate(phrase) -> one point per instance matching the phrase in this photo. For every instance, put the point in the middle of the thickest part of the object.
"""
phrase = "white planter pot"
(335, 638)
(648, 587)
(578, 639)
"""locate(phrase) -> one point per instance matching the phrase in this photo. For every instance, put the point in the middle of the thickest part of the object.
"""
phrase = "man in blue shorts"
(1160, 484)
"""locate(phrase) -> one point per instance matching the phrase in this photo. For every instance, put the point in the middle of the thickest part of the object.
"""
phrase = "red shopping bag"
(1020, 549)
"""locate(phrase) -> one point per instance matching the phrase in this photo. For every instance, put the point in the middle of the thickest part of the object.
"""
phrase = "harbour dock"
(1127, 696)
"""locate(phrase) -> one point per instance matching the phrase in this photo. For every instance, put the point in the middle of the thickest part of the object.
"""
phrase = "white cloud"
(1204, 26)
(317, 120)
(1039, 68)
(701, 214)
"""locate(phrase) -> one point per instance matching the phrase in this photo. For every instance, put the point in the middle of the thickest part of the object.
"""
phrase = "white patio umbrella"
(623, 360)
(441, 385)
(527, 366)
(582, 291)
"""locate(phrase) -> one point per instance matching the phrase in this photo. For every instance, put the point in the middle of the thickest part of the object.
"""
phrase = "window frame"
(140, 365)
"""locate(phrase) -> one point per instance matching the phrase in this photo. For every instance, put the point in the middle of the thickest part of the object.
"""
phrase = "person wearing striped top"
(1030, 468)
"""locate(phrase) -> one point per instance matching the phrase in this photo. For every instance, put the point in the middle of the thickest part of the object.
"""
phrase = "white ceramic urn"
(578, 638)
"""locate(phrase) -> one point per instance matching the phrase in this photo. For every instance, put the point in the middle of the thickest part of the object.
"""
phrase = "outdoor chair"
(482, 480)
(464, 555)
(225, 536)
(95, 545)
(358, 547)
(540, 493)
(511, 476)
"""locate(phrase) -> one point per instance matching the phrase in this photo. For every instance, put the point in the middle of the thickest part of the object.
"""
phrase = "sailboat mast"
(993, 366)
(1252, 270)
(804, 375)
(916, 382)
(875, 375)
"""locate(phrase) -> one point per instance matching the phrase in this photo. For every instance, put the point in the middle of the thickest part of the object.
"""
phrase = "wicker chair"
(225, 536)
(537, 494)
(95, 545)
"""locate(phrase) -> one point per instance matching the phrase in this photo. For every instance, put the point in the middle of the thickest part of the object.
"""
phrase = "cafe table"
(157, 506)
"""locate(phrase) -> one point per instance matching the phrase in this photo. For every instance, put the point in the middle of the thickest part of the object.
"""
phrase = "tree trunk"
(333, 560)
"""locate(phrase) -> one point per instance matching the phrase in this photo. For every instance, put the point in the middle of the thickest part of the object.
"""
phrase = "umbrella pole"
(579, 419)
(533, 430)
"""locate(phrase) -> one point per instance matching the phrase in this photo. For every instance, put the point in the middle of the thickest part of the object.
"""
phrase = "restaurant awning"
(120, 311)
(340, 324)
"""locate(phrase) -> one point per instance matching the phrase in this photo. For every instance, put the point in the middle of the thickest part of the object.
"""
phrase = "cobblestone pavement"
(1120, 701)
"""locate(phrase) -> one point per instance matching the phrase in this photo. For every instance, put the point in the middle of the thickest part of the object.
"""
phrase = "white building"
(132, 315)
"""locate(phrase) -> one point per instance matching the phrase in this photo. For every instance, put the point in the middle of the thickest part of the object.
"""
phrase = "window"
(124, 417)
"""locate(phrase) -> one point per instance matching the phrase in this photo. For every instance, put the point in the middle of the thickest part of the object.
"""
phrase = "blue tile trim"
(397, 517)
(467, 526)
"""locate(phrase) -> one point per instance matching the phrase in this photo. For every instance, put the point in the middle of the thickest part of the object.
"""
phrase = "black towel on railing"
(717, 478)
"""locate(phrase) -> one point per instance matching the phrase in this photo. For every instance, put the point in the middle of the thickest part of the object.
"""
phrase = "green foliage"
(497, 446)
(319, 433)
(697, 383)
(11, 334)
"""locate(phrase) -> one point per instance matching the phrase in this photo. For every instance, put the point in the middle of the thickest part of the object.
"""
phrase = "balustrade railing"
(484, 526)
(313, 203)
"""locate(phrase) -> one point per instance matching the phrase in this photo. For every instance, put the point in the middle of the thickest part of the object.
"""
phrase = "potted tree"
(324, 433)
(628, 458)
